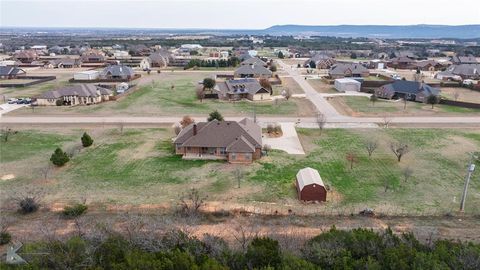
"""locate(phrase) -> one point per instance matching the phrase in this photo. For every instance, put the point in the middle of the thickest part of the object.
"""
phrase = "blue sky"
(234, 14)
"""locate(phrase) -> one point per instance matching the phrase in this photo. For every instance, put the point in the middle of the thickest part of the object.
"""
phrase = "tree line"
(334, 249)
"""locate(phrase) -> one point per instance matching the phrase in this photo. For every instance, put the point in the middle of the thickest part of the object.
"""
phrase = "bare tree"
(374, 98)
(191, 202)
(121, 125)
(404, 104)
(321, 120)
(238, 174)
(177, 128)
(200, 94)
(456, 95)
(407, 173)
(243, 232)
(351, 158)
(287, 94)
(7, 132)
(45, 171)
(267, 148)
(186, 120)
(371, 146)
(386, 121)
(399, 149)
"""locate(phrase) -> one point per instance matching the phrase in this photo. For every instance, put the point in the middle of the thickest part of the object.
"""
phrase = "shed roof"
(308, 176)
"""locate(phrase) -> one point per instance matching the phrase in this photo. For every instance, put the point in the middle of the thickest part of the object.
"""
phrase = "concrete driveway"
(6, 108)
(289, 141)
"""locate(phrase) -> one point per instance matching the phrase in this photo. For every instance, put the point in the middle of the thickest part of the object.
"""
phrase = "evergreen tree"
(215, 115)
(86, 140)
(59, 158)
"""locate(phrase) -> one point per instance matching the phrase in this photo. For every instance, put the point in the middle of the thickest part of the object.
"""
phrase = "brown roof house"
(66, 62)
(252, 71)
(469, 59)
(320, 61)
(79, 94)
(402, 62)
(310, 186)
(26, 56)
(248, 88)
(157, 59)
(236, 142)
(342, 70)
(428, 65)
(92, 56)
(462, 71)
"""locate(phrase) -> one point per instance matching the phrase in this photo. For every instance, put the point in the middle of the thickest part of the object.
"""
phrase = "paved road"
(6, 108)
(318, 101)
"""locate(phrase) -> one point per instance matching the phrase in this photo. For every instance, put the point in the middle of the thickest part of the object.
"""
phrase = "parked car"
(12, 101)
(468, 82)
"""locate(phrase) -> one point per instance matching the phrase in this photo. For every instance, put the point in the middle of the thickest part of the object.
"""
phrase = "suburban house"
(11, 72)
(408, 54)
(157, 59)
(409, 90)
(66, 62)
(79, 94)
(402, 62)
(117, 72)
(342, 70)
(427, 65)
(310, 186)
(139, 50)
(26, 56)
(248, 88)
(377, 64)
(252, 71)
(92, 56)
(236, 142)
(462, 71)
(254, 61)
(470, 59)
(320, 61)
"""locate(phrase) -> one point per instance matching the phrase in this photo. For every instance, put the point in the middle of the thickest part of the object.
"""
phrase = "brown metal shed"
(310, 186)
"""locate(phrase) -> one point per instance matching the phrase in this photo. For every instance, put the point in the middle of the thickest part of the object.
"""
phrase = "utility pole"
(471, 168)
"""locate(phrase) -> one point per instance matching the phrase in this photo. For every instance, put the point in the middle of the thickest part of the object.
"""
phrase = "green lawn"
(138, 167)
(158, 98)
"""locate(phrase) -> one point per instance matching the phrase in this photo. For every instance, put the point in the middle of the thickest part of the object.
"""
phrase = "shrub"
(29, 205)
(59, 102)
(86, 140)
(59, 158)
(264, 252)
(5, 237)
(74, 210)
(215, 115)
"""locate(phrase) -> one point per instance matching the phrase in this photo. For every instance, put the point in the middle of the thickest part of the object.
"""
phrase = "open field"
(156, 97)
(137, 167)
(464, 94)
(321, 86)
(361, 106)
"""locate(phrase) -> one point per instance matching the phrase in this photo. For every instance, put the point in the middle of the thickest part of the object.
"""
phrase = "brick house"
(236, 142)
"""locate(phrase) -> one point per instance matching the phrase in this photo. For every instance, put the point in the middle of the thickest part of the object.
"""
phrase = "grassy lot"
(464, 94)
(321, 87)
(138, 167)
(158, 98)
(361, 106)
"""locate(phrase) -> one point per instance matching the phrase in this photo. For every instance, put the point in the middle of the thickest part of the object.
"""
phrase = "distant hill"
(381, 31)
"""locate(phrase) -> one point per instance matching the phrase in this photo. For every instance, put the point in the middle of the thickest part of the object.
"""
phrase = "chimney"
(194, 129)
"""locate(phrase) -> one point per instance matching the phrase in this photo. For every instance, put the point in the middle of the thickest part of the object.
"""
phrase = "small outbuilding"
(347, 85)
(88, 75)
(310, 186)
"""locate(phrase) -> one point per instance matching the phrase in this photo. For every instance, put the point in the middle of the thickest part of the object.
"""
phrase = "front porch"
(191, 156)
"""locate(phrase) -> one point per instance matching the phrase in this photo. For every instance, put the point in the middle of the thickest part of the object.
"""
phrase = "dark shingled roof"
(81, 90)
(240, 86)
(10, 71)
(344, 68)
(254, 61)
(467, 70)
(253, 70)
(243, 136)
(117, 71)
(470, 59)
(411, 87)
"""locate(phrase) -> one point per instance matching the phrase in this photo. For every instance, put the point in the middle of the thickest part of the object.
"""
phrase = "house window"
(248, 156)
(233, 156)
(223, 151)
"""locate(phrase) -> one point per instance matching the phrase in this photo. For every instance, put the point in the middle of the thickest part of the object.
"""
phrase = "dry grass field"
(361, 106)
(137, 167)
